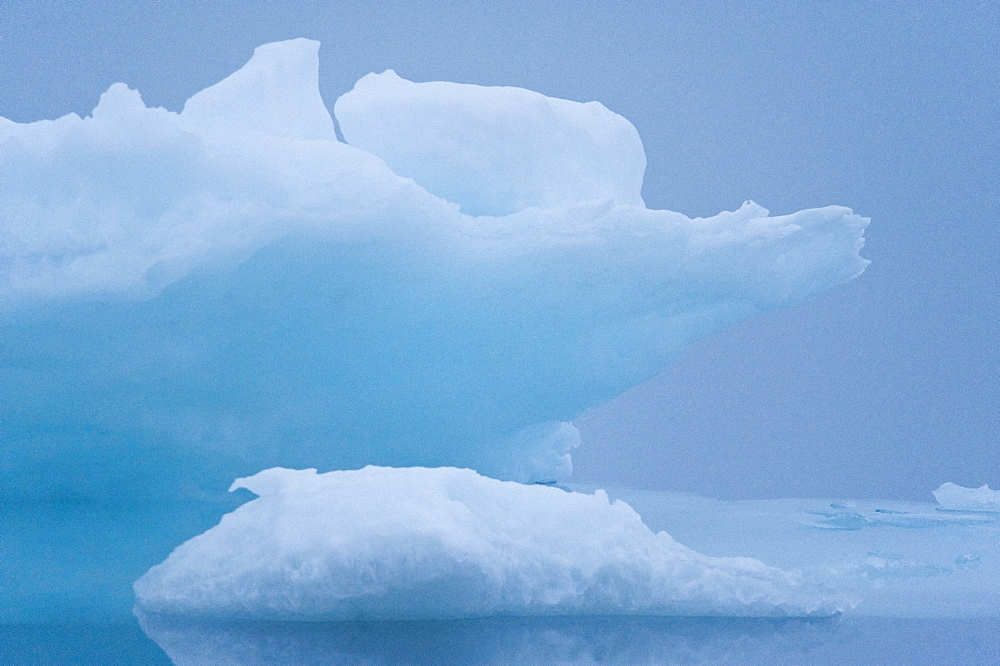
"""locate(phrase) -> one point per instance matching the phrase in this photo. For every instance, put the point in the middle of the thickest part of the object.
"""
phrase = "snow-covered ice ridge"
(186, 298)
(432, 543)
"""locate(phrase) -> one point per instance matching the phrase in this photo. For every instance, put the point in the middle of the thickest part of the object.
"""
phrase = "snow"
(444, 543)
(190, 297)
(956, 498)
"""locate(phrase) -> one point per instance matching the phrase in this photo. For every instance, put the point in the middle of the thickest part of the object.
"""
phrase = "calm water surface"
(511, 641)
(66, 573)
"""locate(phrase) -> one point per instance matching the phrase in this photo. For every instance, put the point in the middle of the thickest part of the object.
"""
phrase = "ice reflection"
(554, 640)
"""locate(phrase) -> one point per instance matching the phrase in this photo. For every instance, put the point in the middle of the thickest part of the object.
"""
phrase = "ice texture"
(954, 497)
(432, 543)
(190, 297)
(495, 150)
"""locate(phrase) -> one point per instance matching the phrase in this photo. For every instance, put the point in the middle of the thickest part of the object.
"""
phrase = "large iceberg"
(190, 297)
(418, 543)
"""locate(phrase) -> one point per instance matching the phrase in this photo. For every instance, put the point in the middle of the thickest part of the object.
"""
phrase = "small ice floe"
(953, 497)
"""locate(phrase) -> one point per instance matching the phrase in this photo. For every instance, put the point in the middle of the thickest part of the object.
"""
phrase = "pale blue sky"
(887, 386)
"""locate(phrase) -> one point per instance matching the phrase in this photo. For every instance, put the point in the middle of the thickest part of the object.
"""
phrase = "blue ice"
(187, 298)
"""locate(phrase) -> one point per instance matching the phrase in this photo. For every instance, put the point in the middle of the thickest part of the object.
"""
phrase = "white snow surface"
(954, 497)
(433, 543)
(196, 296)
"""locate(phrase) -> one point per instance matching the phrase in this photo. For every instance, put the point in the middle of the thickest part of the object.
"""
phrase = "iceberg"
(444, 543)
(954, 497)
(187, 298)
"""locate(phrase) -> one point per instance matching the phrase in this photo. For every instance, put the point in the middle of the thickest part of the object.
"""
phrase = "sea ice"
(190, 297)
(431, 543)
(954, 497)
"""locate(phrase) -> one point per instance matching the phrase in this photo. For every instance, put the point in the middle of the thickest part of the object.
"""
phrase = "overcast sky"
(885, 387)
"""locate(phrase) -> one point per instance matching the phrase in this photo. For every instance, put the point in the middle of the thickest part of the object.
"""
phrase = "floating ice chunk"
(494, 150)
(954, 497)
(420, 543)
(188, 298)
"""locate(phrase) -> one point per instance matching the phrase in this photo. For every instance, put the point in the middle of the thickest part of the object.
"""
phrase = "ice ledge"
(954, 497)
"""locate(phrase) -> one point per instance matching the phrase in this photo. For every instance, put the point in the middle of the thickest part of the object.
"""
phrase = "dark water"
(511, 641)
(78, 643)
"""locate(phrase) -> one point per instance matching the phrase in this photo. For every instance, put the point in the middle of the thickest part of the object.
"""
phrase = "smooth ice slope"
(188, 298)
(418, 543)
(957, 498)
